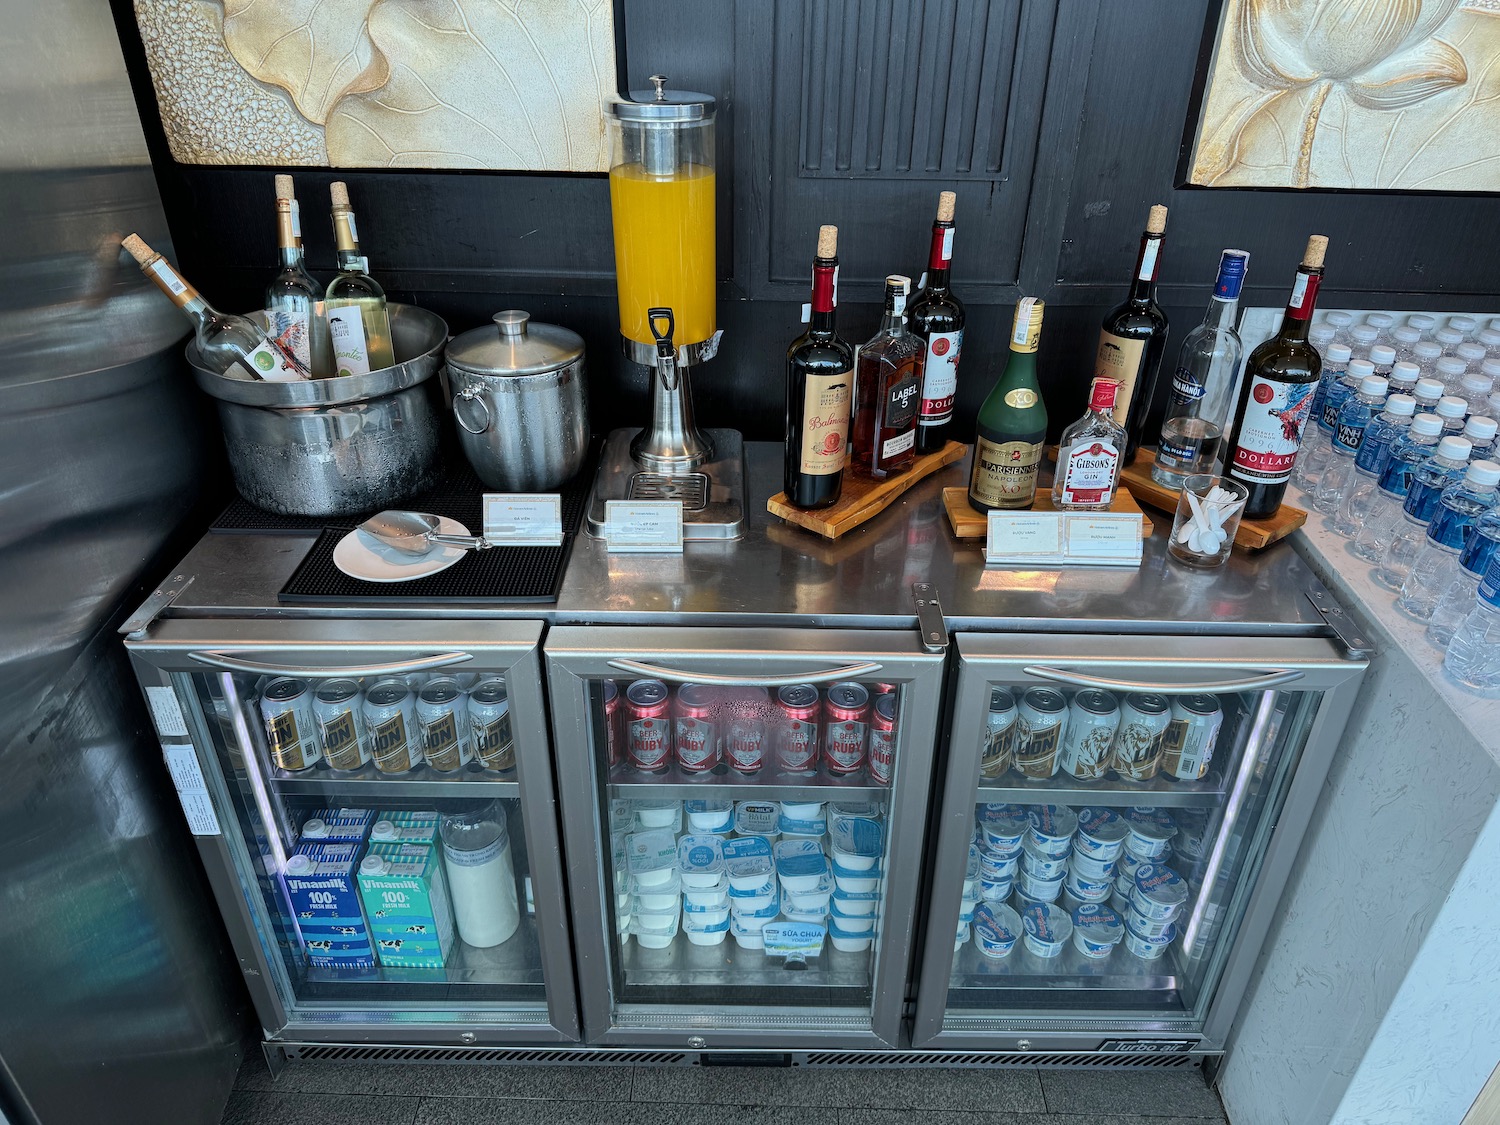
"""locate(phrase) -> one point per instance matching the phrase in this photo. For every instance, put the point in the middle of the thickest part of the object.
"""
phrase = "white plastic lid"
(1373, 385)
(1428, 425)
(1382, 355)
(383, 830)
(1403, 406)
(1421, 321)
(298, 865)
(1490, 337)
(1450, 407)
(1448, 336)
(1380, 319)
(1364, 333)
(1481, 429)
(1320, 333)
(1429, 388)
(1455, 448)
(1462, 323)
(1486, 474)
(1341, 319)
(1338, 353)
(1491, 367)
(1473, 353)
(1477, 384)
(316, 828)
(1407, 334)
(1361, 368)
(372, 865)
(1406, 371)
(1426, 349)
(1451, 365)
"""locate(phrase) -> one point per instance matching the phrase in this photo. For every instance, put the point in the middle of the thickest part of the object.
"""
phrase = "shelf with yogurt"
(726, 966)
(1121, 971)
(768, 785)
(1159, 792)
(368, 784)
(513, 969)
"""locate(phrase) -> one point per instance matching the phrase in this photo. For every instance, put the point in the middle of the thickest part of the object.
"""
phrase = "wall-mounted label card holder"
(192, 792)
(523, 519)
(1061, 539)
(647, 527)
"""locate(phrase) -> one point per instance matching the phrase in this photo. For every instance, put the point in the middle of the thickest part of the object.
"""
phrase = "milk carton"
(404, 828)
(406, 899)
(321, 886)
(336, 826)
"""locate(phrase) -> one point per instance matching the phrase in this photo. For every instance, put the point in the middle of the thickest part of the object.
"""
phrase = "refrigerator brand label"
(1119, 360)
(1146, 1046)
(1271, 431)
(825, 423)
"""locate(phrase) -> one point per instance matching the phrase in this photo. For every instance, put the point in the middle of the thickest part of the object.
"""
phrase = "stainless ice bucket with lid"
(520, 401)
(340, 446)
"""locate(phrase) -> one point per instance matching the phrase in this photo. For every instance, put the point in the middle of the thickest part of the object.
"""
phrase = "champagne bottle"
(1134, 336)
(819, 391)
(1276, 396)
(937, 316)
(229, 345)
(1012, 423)
(292, 296)
(359, 327)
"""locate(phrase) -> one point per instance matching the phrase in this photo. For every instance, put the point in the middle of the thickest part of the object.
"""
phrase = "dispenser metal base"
(713, 496)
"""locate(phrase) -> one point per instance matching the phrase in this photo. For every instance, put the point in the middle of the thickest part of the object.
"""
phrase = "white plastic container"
(707, 897)
(1047, 929)
(1089, 890)
(801, 865)
(997, 890)
(1041, 866)
(651, 857)
(811, 917)
(704, 915)
(659, 814)
(1096, 931)
(971, 873)
(747, 934)
(756, 900)
(1052, 829)
(802, 818)
(966, 908)
(757, 818)
(846, 941)
(701, 932)
(855, 882)
(1148, 928)
(852, 905)
(700, 859)
(996, 929)
(1002, 827)
(1148, 949)
(964, 931)
(1090, 867)
(710, 816)
(815, 899)
(858, 843)
(654, 931)
(755, 919)
(1159, 892)
(1151, 832)
(748, 863)
(1101, 833)
(995, 868)
(655, 900)
(1043, 890)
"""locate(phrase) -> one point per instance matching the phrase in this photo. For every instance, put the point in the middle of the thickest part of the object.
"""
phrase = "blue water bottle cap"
(1232, 266)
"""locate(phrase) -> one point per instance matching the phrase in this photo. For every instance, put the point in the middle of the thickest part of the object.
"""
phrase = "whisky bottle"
(359, 327)
(887, 391)
(1012, 423)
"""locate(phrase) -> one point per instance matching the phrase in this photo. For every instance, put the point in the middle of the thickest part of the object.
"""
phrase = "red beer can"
(696, 734)
(612, 735)
(745, 730)
(846, 726)
(883, 739)
(797, 729)
(648, 727)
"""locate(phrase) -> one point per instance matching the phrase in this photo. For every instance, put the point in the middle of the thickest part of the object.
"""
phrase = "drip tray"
(691, 489)
(713, 497)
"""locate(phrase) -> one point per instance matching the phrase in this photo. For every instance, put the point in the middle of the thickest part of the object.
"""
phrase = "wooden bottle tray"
(969, 524)
(861, 497)
(1253, 535)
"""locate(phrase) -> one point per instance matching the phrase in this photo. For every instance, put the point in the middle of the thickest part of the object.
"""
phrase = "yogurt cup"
(815, 899)
(855, 882)
(747, 935)
(656, 903)
(1101, 833)
(1127, 865)
(654, 931)
(747, 861)
(1002, 826)
(659, 814)
(1047, 929)
(1096, 930)
(1090, 890)
(1042, 890)
(1151, 832)
(710, 816)
(705, 933)
(717, 895)
(870, 809)
(971, 872)
(858, 843)
(704, 915)
(1159, 892)
(846, 941)
(669, 886)
(993, 866)
(801, 865)
(1069, 901)
(1193, 838)
(1148, 928)
(700, 859)
(803, 810)
(966, 908)
(801, 829)
(1052, 829)
(754, 901)
(996, 929)
(997, 890)
(851, 905)
(812, 917)
(758, 912)
(1041, 866)
(757, 818)
(622, 901)
(964, 930)
(1091, 867)
(1118, 899)
(651, 856)
(1148, 949)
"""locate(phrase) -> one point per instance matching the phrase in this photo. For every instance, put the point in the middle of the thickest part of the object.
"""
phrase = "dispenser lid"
(661, 104)
(514, 346)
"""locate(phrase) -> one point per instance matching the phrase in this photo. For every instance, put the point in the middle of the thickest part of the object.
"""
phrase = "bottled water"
(1317, 439)
(1450, 369)
(1481, 430)
(1320, 336)
(1427, 392)
(1341, 323)
(1489, 339)
(1363, 337)
(1466, 325)
(1443, 468)
(1404, 338)
(1436, 563)
(1383, 323)
(1452, 410)
(1403, 377)
(1425, 354)
(1374, 452)
(1448, 339)
(1354, 418)
(1473, 657)
(1406, 453)
(1457, 599)
(1475, 388)
(1383, 356)
(1471, 353)
(1423, 323)
(1494, 407)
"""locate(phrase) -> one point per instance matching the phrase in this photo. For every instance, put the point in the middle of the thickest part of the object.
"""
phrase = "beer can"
(613, 737)
(745, 730)
(1000, 734)
(1136, 755)
(883, 738)
(339, 710)
(696, 731)
(1188, 745)
(846, 726)
(286, 708)
(391, 720)
(797, 729)
(1093, 718)
(489, 726)
(443, 717)
(1040, 718)
(648, 726)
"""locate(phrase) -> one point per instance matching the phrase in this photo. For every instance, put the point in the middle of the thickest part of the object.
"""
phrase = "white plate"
(361, 556)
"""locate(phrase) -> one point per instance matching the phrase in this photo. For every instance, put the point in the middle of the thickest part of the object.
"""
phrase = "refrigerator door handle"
(255, 667)
(676, 675)
(1259, 682)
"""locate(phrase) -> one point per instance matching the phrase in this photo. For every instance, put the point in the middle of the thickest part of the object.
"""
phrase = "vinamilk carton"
(405, 895)
(320, 885)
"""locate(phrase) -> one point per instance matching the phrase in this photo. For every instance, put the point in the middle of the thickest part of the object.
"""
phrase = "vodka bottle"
(1383, 356)
(1480, 429)
(1457, 598)
(1425, 354)
(1354, 418)
(1341, 322)
(1433, 476)
(1382, 322)
(1403, 377)
(359, 325)
(1362, 487)
(1473, 657)
(1423, 323)
(1448, 339)
(1450, 370)
(1317, 439)
(1452, 410)
(1403, 338)
(1427, 392)
(1466, 325)
(1475, 389)
(1436, 563)
(1406, 453)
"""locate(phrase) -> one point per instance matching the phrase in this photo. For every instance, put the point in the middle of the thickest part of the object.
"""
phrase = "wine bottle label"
(825, 422)
(941, 253)
(271, 365)
(1089, 473)
(1021, 398)
(293, 331)
(894, 447)
(170, 281)
(346, 332)
(1005, 472)
(940, 376)
(296, 220)
(353, 228)
(1119, 360)
(1271, 430)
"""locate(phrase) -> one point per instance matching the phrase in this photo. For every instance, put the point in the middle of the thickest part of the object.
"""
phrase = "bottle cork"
(828, 242)
(339, 192)
(284, 187)
(946, 200)
(1317, 250)
(139, 250)
(1156, 222)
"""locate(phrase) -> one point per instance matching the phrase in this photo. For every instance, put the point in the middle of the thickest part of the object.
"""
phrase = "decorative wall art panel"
(506, 84)
(1400, 95)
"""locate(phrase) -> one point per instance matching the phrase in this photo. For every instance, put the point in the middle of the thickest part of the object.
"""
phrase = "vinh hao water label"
(1271, 432)
(1090, 473)
(346, 332)
(1005, 472)
(825, 422)
(940, 376)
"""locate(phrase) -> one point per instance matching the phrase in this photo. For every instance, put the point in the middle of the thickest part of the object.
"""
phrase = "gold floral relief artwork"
(506, 84)
(1373, 94)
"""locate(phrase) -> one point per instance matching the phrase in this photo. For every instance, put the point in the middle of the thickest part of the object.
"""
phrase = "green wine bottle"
(1012, 423)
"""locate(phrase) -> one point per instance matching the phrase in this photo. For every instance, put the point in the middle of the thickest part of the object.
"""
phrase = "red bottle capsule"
(846, 726)
(648, 727)
(696, 734)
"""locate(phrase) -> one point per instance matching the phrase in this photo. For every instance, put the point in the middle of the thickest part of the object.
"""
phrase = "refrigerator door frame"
(174, 648)
(1159, 661)
(577, 654)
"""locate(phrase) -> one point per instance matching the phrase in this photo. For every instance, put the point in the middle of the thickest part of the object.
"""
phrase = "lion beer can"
(1000, 734)
(1188, 745)
(286, 708)
(1143, 723)
(648, 726)
(846, 727)
(1039, 726)
(391, 720)
(797, 729)
(883, 738)
(443, 716)
(339, 710)
(1093, 718)
(695, 733)
(489, 726)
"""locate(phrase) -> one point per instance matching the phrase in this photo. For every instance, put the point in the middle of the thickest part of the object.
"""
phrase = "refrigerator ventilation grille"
(335, 1053)
(982, 1059)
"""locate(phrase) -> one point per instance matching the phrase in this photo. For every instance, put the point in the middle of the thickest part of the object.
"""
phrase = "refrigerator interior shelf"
(727, 966)
(372, 787)
(514, 962)
(1156, 793)
(766, 786)
(1022, 969)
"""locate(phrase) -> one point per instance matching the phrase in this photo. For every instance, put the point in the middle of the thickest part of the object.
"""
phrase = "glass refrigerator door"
(1119, 817)
(744, 829)
(373, 802)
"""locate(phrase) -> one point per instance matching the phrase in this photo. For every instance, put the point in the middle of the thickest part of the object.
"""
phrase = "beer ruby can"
(1188, 745)
(696, 733)
(883, 738)
(443, 717)
(745, 730)
(339, 710)
(1136, 755)
(391, 721)
(648, 726)
(797, 729)
(1000, 734)
(489, 726)
(1093, 718)
(846, 728)
(614, 737)
(286, 708)
(1039, 726)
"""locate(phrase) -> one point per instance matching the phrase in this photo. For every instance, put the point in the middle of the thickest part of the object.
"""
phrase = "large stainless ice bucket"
(342, 446)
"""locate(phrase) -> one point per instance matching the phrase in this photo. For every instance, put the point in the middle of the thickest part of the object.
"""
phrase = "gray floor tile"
(490, 1111)
(253, 1074)
(968, 1117)
(1008, 1090)
(253, 1107)
(1147, 1093)
(438, 1080)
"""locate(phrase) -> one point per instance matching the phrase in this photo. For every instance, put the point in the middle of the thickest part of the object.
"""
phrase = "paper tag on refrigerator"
(523, 519)
(643, 526)
(166, 712)
(1058, 539)
(192, 792)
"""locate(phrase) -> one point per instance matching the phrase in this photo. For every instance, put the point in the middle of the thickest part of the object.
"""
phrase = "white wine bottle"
(359, 327)
(230, 345)
(293, 317)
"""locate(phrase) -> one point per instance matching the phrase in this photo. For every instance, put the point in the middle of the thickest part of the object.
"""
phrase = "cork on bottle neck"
(946, 202)
(284, 187)
(138, 249)
(828, 242)
(1317, 250)
(338, 191)
(1156, 221)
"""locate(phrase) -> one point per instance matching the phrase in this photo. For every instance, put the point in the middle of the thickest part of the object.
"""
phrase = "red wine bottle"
(1133, 338)
(937, 316)
(1276, 395)
(819, 391)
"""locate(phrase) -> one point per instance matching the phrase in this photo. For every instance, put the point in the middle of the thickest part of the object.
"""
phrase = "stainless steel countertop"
(781, 575)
